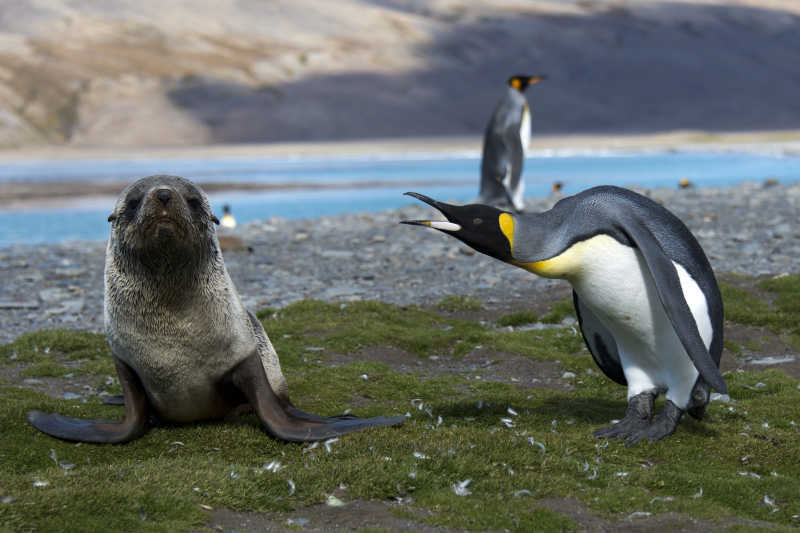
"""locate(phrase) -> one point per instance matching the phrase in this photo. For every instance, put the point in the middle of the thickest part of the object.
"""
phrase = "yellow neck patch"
(506, 222)
(515, 83)
(564, 265)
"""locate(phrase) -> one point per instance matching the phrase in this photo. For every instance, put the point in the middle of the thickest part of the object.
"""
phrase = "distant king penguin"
(505, 143)
(647, 301)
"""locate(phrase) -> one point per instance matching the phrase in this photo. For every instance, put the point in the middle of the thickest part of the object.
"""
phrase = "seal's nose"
(164, 196)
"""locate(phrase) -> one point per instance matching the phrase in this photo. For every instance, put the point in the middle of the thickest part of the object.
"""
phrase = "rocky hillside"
(146, 72)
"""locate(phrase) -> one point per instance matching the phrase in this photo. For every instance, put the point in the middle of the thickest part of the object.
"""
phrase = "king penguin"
(647, 301)
(505, 143)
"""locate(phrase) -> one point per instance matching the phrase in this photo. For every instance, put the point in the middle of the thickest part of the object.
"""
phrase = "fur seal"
(184, 346)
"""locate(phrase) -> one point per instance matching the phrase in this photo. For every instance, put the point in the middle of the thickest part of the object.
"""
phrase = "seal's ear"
(112, 217)
(214, 219)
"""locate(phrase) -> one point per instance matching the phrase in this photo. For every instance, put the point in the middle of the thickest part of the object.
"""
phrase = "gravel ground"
(748, 229)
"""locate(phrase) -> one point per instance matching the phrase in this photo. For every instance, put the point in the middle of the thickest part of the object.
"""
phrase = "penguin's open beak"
(435, 224)
(536, 79)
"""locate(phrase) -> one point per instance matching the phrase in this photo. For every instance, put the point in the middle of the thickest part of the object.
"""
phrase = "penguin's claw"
(665, 424)
(625, 428)
(637, 418)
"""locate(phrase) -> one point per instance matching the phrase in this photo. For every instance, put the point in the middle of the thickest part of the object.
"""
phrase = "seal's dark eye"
(194, 203)
(133, 203)
(477, 221)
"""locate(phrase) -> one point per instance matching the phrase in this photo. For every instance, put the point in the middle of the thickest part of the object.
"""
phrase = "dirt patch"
(354, 515)
(361, 515)
(538, 302)
(84, 385)
(480, 364)
(638, 521)
(760, 349)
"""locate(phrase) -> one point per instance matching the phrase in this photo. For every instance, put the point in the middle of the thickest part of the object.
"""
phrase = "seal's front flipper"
(101, 431)
(289, 423)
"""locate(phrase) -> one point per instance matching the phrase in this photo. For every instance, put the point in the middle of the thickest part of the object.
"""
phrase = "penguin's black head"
(482, 227)
(521, 81)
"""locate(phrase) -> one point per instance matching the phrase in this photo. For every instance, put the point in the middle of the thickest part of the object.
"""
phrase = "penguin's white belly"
(615, 283)
(525, 130)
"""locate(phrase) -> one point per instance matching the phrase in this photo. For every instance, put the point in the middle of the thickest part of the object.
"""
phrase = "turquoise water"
(372, 183)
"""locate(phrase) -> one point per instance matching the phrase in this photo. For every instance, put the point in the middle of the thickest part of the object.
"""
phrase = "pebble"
(746, 229)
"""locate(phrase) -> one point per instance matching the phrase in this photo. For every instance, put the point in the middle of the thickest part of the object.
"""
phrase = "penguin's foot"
(637, 418)
(664, 425)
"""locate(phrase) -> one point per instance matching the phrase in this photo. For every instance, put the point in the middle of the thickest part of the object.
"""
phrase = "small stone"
(5, 304)
(52, 295)
(337, 254)
(71, 306)
(333, 501)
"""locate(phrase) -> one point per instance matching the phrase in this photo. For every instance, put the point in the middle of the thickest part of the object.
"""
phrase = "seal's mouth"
(162, 226)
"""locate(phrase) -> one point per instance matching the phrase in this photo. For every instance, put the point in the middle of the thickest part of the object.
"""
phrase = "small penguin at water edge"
(227, 221)
(647, 301)
(505, 143)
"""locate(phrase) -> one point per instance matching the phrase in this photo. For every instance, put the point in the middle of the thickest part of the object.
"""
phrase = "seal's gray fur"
(185, 347)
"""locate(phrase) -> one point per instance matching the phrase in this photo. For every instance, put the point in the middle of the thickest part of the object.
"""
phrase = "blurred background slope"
(148, 72)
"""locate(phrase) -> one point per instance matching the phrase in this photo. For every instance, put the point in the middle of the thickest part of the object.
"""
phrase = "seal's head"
(162, 222)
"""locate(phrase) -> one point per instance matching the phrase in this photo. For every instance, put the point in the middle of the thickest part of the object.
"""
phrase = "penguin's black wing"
(668, 285)
(502, 150)
(513, 139)
(600, 342)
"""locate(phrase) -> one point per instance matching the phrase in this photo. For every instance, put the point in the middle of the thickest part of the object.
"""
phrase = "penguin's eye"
(133, 203)
(477, 222)
(194, 203)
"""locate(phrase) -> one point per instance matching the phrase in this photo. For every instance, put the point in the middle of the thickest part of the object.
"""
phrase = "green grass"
(781, 314)
(159, 482)
(36, 347)
(456, 303)
(786, 290)
(520, 318)
(559, 311)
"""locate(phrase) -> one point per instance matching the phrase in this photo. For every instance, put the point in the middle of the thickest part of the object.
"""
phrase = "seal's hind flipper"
(101, 431)
(289, 423)
(302, 415)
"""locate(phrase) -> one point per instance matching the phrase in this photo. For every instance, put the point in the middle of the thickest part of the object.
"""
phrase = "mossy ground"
(518, 446)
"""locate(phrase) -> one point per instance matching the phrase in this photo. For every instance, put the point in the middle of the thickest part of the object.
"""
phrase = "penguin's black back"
(610, 210)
